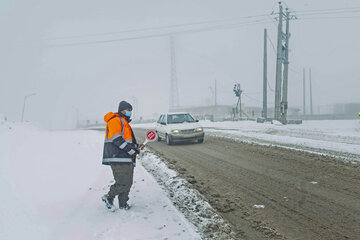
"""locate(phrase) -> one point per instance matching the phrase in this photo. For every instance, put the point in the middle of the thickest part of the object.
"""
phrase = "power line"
(158, 27)
(227, 26)
(326, 13)
(272, 44)
(272, 21)
(169, 27)
(337, 13)
(334, 17)
(273, 7)
(329, 9)
(210, 28)
(251, 98)
(273, 47)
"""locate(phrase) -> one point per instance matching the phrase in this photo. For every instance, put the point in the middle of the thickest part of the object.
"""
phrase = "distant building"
(213, 113)
(334, 111)
(226, 112)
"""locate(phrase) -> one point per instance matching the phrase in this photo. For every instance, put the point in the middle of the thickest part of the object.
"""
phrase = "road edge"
(187, 200)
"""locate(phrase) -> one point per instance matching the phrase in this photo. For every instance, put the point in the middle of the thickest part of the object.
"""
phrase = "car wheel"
(159, 138)
(201, 140)
(168, 140)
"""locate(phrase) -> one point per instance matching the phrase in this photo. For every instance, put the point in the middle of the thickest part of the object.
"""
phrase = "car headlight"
(199, 129)
(175, 131)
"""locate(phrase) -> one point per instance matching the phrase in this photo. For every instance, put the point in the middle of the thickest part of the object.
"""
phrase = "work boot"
(126, 207)
(109, 202)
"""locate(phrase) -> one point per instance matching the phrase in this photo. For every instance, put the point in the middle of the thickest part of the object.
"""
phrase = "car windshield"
(179, 118)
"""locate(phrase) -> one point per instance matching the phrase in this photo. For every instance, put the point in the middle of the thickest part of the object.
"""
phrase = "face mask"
(128, 113)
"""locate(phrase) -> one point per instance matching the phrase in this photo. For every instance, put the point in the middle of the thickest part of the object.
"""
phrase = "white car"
(178, 127)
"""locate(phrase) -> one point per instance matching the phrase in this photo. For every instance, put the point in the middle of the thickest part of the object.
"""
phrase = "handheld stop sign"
(150, 136)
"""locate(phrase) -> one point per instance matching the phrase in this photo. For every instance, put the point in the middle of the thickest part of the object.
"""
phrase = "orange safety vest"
(117, 134)
(117, 125)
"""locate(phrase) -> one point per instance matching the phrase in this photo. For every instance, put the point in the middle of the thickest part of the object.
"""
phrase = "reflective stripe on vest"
(117, 160)
(114, 137)
(122, 126)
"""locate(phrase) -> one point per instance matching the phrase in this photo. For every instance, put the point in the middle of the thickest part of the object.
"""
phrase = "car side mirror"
(197, 120)
(162, 123)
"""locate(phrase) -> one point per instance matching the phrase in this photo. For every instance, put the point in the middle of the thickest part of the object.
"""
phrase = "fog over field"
(83, 57)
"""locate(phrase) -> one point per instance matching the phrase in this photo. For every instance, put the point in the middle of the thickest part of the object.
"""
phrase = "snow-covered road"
(340, 138)
(51, 184)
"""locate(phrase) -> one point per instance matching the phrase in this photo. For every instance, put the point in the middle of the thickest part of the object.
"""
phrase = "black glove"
(131, 149)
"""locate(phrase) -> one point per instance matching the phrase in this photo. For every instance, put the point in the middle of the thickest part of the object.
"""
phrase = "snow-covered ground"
(334, 137)
(51, 184)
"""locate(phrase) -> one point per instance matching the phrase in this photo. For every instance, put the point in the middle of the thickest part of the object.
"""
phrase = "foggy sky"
(93, 78)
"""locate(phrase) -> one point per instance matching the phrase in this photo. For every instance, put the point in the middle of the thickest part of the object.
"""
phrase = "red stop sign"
(151, 135)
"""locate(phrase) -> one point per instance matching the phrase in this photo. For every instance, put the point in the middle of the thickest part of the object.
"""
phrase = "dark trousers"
(123, 176)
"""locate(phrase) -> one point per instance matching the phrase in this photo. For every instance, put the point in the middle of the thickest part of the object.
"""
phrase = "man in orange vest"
(120, 150)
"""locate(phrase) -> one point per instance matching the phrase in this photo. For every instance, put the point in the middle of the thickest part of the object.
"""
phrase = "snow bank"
(333, 137)
(52, 182)
(189, 201)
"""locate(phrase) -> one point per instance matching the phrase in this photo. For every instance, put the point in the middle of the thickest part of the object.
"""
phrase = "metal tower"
(174, 92)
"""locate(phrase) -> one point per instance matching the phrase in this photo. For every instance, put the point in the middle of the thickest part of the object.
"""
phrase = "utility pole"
(304, 99)
(311, 103)
(215, 94)
(240, 104)
(264, 113)
(282, 58)
(237, 90)
(279, 59)
(23, 110)
(136, 109)
(212, 96)
(77, 116)
(174, 93)
(284, 102)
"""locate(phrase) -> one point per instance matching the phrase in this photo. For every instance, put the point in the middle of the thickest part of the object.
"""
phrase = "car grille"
(187, 131)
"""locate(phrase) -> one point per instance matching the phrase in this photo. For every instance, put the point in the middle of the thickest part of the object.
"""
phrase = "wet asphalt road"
(305, 196)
